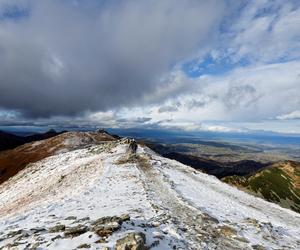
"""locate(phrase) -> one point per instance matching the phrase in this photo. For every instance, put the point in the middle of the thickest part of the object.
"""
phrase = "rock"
(125, 217)
(56, 237)
(227, 231)
(84, 246)
(101, 241)
(14, 233)
(22, 236)
(242, 239)
(71, 218)
(57, 228)
(83, 219)
(76, 231)
(258, 247)
(37, 230)
(106, 229)
(154, 243)
(14, 245)
(155, 224)
(159, 236)
(132, 241)
(40, 238)
(110, 219)
(104, 232)
(34, 246)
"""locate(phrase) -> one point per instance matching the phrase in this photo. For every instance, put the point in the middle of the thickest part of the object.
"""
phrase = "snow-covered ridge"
(174, 206)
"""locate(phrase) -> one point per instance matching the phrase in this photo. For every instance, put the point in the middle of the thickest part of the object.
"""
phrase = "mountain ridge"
(10, 141)
(14, 160)
(110, 194)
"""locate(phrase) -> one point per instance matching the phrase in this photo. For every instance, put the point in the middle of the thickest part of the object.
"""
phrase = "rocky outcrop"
(105, 226)
(57, 228)
(132, 241)
(76, 231)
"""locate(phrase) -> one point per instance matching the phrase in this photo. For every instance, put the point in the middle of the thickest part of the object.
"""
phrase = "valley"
(270, 172)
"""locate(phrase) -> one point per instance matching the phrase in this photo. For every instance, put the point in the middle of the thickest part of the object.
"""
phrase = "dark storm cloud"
(69, 57)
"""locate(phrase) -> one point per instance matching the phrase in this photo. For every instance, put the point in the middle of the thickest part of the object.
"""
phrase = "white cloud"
(291, 116)
(245, 94)
(266, 31)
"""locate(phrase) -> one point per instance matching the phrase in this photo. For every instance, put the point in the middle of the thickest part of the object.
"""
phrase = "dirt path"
(199, 230)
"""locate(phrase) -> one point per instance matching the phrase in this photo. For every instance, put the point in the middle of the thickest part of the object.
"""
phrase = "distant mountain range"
(9, 140)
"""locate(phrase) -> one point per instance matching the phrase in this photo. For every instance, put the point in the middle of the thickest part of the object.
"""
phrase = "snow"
(232, 206)
(168, 201)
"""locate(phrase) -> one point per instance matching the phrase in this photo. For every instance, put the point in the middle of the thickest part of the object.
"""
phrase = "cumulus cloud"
(69, 57)
(253, 93)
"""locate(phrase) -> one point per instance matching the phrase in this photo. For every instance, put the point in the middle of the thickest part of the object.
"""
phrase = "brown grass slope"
(14, 160)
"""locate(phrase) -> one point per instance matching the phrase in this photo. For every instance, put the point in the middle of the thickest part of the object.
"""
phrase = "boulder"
(57, 228)
(132, 241)
(84, 246)
(76, 231)
(37, 230)
(71, 218)
(106, 229)
(111, 219)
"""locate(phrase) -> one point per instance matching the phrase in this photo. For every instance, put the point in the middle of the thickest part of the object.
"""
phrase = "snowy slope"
(174, 206)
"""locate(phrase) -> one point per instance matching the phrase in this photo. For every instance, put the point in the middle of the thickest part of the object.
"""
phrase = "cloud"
(121, 63)
(242, 95)
(253, 93)
(265, 31)
(291, 116)
(70, 57)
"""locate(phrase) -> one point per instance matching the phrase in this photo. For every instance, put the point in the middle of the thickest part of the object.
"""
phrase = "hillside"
(14, 160)
(9, 141)
(279, 183)
(114, 194)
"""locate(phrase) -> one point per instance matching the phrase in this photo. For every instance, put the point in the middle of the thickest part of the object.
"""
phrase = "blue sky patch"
(209, 66)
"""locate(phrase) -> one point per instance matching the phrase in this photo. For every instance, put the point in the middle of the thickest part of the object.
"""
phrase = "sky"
(194, 65)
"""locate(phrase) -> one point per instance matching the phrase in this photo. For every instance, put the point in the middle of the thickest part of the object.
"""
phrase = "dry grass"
(142, 161)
